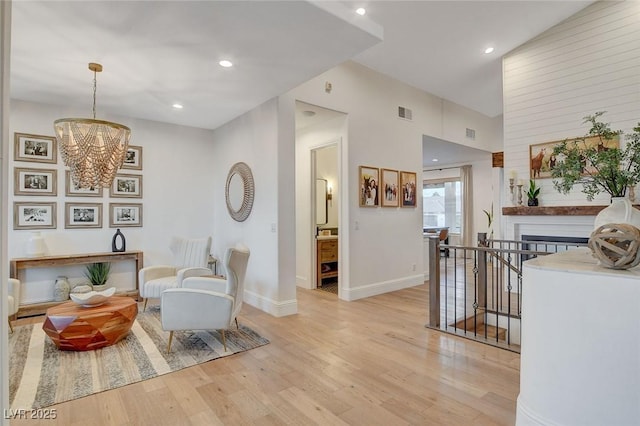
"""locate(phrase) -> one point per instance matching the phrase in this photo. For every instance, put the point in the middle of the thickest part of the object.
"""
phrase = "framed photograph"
(35, 181)
(133, 158)
(35, 148)
(408, 189)
(542, 160)
(83, 215)
(71, 190)
(369, 183)
(34, 215)
(389, 188)
(126, 186)
(122, 215)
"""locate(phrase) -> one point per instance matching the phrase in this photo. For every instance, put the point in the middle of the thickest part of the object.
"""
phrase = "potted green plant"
(98, 274)
(600, 168)
(532, 193)
(597, 167)
(484, 241)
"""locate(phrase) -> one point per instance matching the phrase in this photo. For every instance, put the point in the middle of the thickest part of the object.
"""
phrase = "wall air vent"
(405, 113)
(471, 134)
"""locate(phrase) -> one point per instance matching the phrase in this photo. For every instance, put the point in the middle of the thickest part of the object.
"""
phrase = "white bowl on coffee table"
(93, 298)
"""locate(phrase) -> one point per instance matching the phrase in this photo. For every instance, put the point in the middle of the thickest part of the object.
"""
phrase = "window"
(442, 204)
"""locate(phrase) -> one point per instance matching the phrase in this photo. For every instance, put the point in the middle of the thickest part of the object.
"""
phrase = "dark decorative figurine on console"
(118, 243)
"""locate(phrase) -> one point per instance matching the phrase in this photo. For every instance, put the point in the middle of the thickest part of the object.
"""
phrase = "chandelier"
(93, 149)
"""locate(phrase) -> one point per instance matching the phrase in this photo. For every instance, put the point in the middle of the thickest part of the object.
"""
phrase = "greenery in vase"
(98, 273)
(489, 214)
(597, 168)
(533, 191)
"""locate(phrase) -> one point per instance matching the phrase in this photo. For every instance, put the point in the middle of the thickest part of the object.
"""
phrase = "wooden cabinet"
(327, 259)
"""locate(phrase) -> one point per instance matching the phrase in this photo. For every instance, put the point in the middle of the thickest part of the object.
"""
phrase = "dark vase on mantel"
(118, 243)
(532, 202)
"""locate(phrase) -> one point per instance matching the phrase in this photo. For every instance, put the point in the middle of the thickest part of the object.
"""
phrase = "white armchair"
(206, 303)
(14, 299)
(191, 309)
(235, 265)
(190, 256)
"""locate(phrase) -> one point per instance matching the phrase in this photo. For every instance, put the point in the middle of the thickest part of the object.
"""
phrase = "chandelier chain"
(95, 84)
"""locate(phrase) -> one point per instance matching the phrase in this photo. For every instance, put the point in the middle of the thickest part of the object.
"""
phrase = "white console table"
(580, 358)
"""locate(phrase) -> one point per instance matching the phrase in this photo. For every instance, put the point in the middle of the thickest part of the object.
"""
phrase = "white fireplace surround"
(560, 226)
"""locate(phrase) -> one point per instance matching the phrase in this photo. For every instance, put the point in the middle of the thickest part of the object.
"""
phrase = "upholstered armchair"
(190, 256)
(14, 299)
(235, 265)
(192, 309)
(206, 303)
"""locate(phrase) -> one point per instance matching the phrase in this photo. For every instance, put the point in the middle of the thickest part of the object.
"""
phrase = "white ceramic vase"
(35, 245)
(619, 211)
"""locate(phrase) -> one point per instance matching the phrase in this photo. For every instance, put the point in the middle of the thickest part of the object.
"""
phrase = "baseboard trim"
(303, 282)
(270, 306)
(375, 289)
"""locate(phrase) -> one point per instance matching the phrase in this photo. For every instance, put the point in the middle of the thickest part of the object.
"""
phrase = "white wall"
(254, 138)
(383, 247)
(588, 63)
(482, 200)
(177, 190)
(5, 50)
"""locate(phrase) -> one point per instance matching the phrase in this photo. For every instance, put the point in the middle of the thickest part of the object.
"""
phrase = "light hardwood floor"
(368, 362)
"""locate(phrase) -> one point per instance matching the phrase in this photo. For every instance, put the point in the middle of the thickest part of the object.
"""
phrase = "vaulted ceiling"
(157, 53)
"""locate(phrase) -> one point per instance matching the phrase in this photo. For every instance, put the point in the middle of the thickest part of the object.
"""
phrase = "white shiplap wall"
(588, 63)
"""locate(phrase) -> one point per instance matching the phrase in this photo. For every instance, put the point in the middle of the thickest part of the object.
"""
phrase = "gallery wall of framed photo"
(382, 187)
(36, 170)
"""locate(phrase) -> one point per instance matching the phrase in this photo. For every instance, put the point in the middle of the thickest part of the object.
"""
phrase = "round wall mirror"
(239, 191)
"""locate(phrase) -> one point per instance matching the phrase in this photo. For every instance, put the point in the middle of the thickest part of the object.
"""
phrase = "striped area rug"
(41, 375)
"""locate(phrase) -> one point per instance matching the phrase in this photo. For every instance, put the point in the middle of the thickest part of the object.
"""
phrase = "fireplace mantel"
(552, 210)
(561, 221)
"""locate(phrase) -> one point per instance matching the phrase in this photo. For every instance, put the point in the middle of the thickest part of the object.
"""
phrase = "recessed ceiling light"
(361, 11)
(435, 160)
(177, 106)
(225, 63)
(489, 50)
(308, 113)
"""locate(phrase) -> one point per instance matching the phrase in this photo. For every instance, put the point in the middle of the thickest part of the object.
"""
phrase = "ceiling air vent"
(405, 113)
(471, 134)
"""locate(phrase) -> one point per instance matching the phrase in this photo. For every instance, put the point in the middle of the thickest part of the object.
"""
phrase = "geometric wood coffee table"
(73, 327)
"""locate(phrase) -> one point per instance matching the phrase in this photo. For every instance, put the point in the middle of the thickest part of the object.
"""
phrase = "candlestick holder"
(511, 184)
(519, 194)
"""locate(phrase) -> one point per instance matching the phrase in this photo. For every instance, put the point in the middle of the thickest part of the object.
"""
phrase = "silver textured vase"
(61, 289)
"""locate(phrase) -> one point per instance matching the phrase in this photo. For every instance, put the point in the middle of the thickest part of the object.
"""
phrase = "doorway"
(325, 254)
(320, 136)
